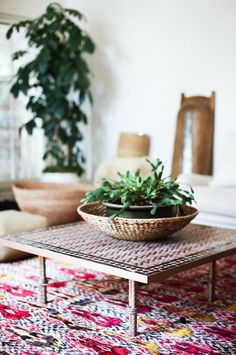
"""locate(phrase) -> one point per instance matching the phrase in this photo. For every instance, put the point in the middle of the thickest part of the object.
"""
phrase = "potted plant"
(57, 84)
(133, 197)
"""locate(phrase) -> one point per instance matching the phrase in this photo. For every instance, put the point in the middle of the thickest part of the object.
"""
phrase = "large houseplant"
(134, 197)
(57, 83)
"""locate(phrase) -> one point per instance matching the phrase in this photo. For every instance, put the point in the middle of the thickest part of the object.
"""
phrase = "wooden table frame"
(133, 277)
(133, 285)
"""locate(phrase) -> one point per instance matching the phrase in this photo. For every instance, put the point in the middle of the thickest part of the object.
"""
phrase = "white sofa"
(215, 200)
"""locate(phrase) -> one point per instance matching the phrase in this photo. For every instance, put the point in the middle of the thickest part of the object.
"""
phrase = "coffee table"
(139, 262)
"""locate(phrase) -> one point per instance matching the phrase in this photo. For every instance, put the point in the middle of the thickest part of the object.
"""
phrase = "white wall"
(148, 52)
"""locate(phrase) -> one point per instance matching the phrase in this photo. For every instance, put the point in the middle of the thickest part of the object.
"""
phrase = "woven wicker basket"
(134, 229)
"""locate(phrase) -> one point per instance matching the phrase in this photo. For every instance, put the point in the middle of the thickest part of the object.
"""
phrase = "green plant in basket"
(159, 195)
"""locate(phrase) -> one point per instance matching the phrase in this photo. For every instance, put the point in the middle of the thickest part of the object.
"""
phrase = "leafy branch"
(56, 82)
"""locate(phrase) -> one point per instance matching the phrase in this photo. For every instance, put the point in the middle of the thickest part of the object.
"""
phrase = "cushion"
(224, 181)
(225, 161)
(195, 179)
(216, 220)
(13, 222)
(110, 168)
(216, 200)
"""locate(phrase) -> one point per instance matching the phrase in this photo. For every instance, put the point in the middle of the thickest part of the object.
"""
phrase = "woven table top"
(79, 240)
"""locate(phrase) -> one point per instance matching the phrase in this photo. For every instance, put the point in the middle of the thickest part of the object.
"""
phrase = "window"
(9, 141)
(20, 157)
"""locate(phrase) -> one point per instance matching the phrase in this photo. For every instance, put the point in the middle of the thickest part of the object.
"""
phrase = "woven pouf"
(13, 222)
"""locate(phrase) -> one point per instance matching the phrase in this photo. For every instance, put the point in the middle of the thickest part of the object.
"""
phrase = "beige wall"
(148, 52)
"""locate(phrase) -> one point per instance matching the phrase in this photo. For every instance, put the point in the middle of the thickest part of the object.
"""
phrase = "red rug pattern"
(87, 313)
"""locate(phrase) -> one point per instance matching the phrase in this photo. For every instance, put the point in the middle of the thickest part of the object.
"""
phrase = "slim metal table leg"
(212, 279)
(42, 280)
(132, 308)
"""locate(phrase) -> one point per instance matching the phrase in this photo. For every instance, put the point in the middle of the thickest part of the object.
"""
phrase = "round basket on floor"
(135, 229)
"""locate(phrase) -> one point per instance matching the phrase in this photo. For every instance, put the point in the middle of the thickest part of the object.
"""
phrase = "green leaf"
(15, 89)
(18, 55)
(42, 60)
(90, 97)
(82, 96)
(89, 45)
(75, 13)
(30, 125)
(10, 31)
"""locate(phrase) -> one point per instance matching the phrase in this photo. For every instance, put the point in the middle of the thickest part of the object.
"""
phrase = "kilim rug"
(87, 313)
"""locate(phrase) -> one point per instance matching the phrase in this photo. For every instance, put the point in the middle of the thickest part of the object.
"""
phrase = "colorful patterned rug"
(87, 313)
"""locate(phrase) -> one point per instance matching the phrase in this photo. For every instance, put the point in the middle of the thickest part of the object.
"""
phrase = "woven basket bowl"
(134, 229)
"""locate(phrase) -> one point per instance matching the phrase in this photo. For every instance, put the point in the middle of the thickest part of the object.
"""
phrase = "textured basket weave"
(134, 229)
